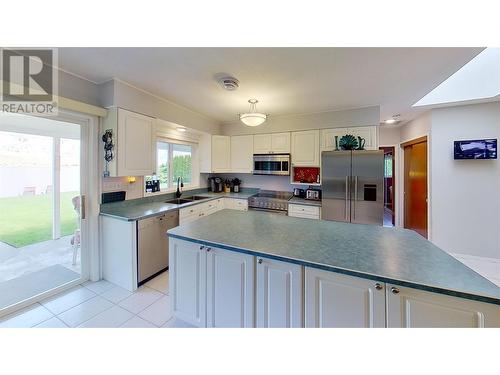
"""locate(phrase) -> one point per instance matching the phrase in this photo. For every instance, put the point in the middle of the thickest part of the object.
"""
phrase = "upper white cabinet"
(369, 133)
(333, 300)
(276, 143)
(134, 138)
(221, 154)
(412, 308)
(305, 148)
(242, 154)
(279, 294)
(230, 289)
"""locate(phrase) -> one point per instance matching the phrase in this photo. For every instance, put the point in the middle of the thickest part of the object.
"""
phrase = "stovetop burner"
(271, 200)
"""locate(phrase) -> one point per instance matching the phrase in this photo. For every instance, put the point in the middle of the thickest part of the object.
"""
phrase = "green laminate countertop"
(392, 255)
(143, 208)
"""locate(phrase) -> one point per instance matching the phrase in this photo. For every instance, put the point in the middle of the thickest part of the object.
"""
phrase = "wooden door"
(230, 289)
(279, 294)
(415, 185)
(333, 300)
(187, 278)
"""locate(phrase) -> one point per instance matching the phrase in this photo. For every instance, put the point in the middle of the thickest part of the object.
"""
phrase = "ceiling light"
(179, 129)
(253, 118)
(394, 119)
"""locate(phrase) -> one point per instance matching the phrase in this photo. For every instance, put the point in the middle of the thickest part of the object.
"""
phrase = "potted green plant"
(236, 184)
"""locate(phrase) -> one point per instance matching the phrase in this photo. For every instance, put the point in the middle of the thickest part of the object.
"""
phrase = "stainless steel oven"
(271, 164)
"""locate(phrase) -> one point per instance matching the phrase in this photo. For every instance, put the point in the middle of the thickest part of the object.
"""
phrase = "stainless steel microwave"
(271, 164)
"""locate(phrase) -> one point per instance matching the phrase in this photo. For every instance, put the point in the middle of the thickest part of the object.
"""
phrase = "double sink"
(187, 199)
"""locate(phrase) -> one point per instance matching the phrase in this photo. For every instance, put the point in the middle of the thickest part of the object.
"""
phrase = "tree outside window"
(173, 161)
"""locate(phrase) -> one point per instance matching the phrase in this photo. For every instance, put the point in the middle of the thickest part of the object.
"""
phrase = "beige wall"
(333, 119)
(389, 135)
(416, 128)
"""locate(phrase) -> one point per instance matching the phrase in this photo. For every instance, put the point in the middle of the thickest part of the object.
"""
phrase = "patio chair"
(76, 239)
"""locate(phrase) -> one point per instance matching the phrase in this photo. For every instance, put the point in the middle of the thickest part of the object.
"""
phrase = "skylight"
(478, 79)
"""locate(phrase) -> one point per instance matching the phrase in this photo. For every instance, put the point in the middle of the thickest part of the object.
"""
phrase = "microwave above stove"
(271, 164)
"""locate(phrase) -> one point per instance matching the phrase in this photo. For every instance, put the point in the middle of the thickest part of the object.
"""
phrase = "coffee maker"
(215, 184)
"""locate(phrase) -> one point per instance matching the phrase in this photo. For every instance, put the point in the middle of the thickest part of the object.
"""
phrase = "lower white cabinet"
(303, 211)
(236, 204)
(230, 289)
(407, 307)
(197, 211)
(279, 294)
(187, 279)
(211, 287)
(336, 300)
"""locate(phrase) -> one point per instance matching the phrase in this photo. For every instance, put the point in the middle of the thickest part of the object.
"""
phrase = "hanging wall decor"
(107, 138)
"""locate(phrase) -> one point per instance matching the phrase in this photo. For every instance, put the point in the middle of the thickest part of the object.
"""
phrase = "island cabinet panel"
(279, 292)
(187, 277)
(336, 300)
(412, 308)
(230, 289)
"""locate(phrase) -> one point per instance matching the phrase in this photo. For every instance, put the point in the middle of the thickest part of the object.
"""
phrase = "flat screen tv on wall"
(476, 149)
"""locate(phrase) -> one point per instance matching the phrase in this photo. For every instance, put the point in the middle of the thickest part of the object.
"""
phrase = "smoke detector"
(228, 83)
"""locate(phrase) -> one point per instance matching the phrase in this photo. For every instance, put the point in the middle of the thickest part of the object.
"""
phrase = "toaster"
(313, 194)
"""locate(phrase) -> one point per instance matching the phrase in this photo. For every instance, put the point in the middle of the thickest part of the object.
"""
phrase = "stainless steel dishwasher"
(152, 245)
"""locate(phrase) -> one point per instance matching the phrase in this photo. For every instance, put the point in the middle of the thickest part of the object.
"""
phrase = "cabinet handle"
(379, 286)
(260, 261)
(394, 290)
(208, 249)
(202, 247)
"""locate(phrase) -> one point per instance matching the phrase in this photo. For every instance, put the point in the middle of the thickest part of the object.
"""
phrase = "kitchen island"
(257, 269)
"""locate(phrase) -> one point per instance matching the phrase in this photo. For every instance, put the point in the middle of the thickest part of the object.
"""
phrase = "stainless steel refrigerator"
(353, 186)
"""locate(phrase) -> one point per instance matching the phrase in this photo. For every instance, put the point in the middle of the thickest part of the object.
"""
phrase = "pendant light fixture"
(253, 118)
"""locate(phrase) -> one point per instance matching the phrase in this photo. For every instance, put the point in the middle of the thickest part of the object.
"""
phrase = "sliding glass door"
(42, 172)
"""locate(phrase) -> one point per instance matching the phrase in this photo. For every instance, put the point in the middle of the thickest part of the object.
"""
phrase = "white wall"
(333, 119)
(416, 128)
(389, 135)
(465, 193)
(121, 94)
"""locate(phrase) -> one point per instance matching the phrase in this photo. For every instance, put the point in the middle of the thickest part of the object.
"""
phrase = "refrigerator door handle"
(346, 197)
(355, 197)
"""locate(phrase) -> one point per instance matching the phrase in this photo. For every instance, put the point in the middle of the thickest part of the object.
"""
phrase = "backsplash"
(134, 190)
(279, 183)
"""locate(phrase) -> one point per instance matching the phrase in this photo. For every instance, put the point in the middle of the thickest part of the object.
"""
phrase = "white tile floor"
(101, 304)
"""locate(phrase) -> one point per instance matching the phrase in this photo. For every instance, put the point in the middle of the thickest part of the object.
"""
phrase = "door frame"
(395, 179)
(401, 189)
(90, 258)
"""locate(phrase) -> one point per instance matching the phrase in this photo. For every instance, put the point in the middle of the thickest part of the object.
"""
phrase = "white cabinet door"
(304, 211)
(135, 145)
(187, 279)
(336, 300)
(280, 143)
(370, 135)
(230, 289)
(412, 308)
(328, 137)
(236, 204)
(279, 294)
(242, 154)
(262, 144)
(221, 154)
(305, 148)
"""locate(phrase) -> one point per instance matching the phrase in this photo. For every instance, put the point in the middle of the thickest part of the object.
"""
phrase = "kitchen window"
(173, 160)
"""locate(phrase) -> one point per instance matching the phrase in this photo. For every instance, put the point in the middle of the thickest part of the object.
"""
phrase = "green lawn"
(28, 220)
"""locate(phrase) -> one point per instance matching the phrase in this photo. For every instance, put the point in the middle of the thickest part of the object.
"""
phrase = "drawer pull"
(379, 286)
(394, 290)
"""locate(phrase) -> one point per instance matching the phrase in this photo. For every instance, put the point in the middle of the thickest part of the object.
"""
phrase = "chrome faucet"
(178, 192)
